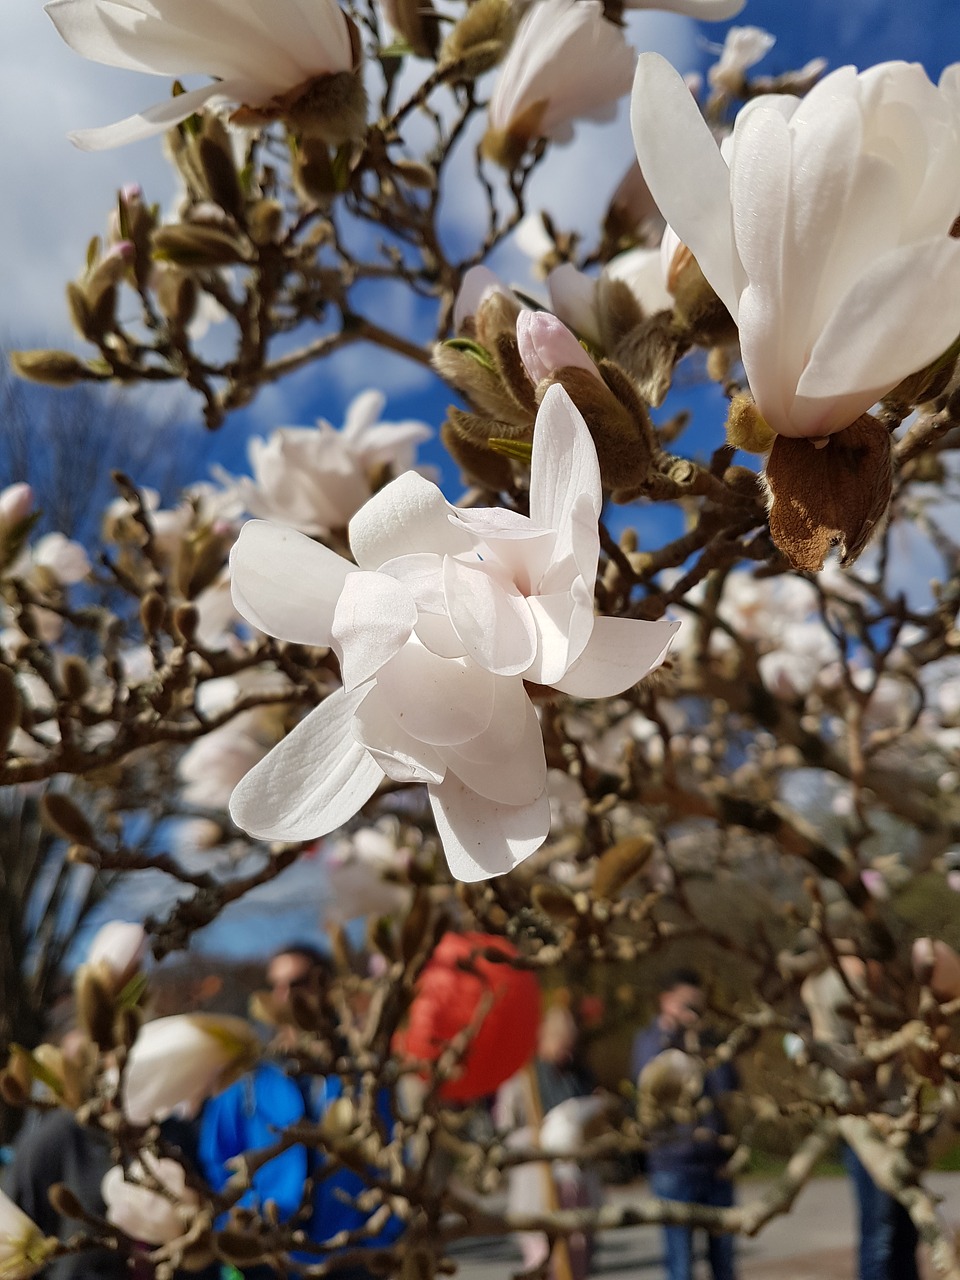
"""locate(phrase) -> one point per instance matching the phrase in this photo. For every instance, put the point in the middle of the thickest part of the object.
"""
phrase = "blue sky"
(56, 197)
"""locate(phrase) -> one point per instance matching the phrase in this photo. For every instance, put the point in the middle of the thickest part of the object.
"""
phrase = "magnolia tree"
(504, 716)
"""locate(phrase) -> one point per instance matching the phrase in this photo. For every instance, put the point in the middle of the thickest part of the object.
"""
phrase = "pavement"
(816, 1241)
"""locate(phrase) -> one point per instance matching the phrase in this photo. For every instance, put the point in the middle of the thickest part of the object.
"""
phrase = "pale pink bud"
(547, 345)
(176, 1063)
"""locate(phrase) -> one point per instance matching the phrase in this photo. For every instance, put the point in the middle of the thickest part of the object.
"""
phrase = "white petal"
(478, 283)
(482, 839)
(314, 781)
(620, 652)
(573, 296)
(898, 317)
(372, 621)
(514, 774)
(422, 575)
(401, 757)
(153, 120)
(685, 172)
(563, 467)
(407, 516)
(285, 584)
(443, 701)
(491, 618)
(564, 624)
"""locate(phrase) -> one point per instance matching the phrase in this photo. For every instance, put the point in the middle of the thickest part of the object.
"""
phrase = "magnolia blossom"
(566, 62)
(438, 625)
(823, 227)
(575, 296)
(357, 873)
(256, 49)
(176, 1063)
(23, 1246)
(315, 478)
(743, 48)
(151, 1201)
(546, 345)
(117, 951)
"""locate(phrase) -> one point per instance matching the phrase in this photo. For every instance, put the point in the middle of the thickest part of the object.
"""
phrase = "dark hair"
(681, 977)
(316, 958)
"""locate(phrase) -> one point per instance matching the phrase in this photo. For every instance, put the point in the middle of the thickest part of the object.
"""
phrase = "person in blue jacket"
(251, 1115)
(685, 1161)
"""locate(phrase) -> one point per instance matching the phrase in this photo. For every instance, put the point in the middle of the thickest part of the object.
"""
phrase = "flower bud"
(265, 221)
(330, 109)
(51, 368)
(117, 952)
(215, 156)
(65, 819)
(95, 1006)
(622, 435)
(546, 345)
(480, 39)
(746, 429)
(697, 308)
(191, 245)
(416, 22)
(176, 294)
(75, 675)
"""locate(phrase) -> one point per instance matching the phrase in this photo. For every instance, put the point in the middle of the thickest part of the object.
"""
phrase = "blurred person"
(549, 1103)
(254, 1112)
(686, 1159)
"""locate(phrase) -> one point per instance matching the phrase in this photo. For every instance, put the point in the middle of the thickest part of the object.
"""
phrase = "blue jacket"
(683, 1148)
(249, 1116)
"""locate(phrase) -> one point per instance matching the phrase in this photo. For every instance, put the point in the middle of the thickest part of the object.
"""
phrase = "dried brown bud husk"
(153, 611)
(480, 39)
(265, 221)
(10, 705)
(623, 436)
(12, 1091)
(126, 1025)
(476, 461)
(176, 293)
(186, 619)
(75, 675)
(95, 1006)
(66, 1203)
(507, 147)
(555, 901)
(473, 371)
(417, 22)
(620, 864)
(93, 313)
(834, 496)
(198, 247)
(697, 308)
(618, 311)
(746, 429)
(331, 109)
(215, 155)
(649, 353)
(64, 818)
(927, 383)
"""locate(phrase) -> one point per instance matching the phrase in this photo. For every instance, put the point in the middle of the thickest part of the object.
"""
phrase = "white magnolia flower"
(23, 1246)
(444, 616)
(546, 346)
(567, 62)
(315, 478)
(176, 1063)
(256, 49)
(823, 227)
(151, 1202)
(118, 950)
(743, 48)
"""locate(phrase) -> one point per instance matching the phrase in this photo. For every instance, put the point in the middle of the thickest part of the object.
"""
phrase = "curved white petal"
(563, 468)
(491, 618)
(898, 317)
(482, 839)
(573, 296)
(373, 620)
(564, 623)
(443, 701)
(514, 775)
(620, 652)
(422, 575)
(401, 757)
(312, 782)
(685, 172)
(408, 516)
(285, 584)
(153, 120)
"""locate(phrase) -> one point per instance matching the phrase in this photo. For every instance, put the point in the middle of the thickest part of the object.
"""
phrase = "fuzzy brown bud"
(153, 611)
(416, 21)
(476, 461)
(620, 864)
(215, 155)
(746, 429)
(622, 435)
(65, 1202)
(51, 368)
(697, 307)
(75, 675)
(177, 295)
(193, 246)
(186, 619)
(265, 221)
(480, 39)
(95, 1006)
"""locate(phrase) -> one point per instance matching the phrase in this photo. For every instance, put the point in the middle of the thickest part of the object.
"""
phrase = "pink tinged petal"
(491, 618)
(620, 652)
(313, 781)
(401, 757)
(482, 839)
(443, 701)
(685, 172)
(563, 468)
(573, 296)
(285, 584)
(407, 516)
(900, 315)
(153, 120)
(515, 774)
(435, 631)
(372, 621)
(546, 345)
